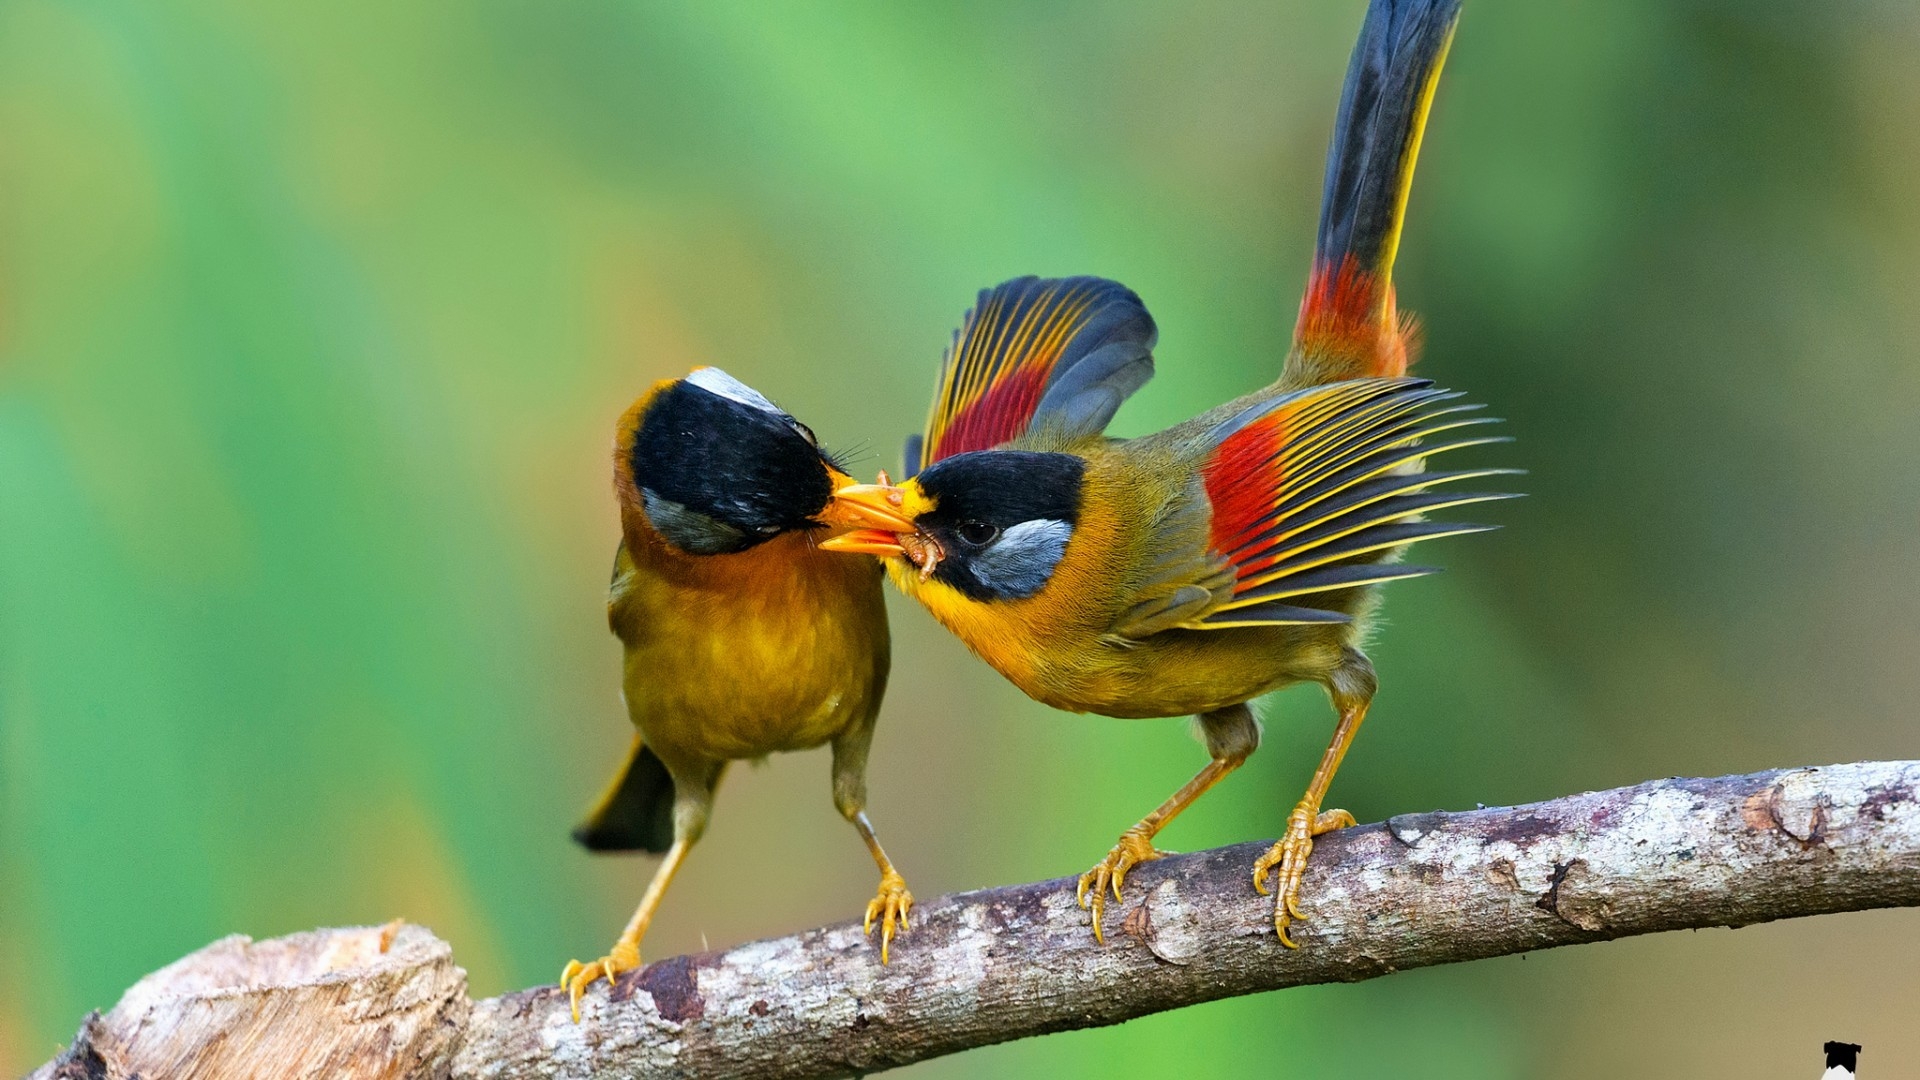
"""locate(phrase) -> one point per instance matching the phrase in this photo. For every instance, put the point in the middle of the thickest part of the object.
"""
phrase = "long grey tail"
(1376, 137)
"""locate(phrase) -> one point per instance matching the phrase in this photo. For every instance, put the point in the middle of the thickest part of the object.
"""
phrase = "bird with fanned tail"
(1193, 570)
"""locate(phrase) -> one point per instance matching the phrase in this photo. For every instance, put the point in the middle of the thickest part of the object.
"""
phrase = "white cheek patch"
(1022, 560)
(715, 381)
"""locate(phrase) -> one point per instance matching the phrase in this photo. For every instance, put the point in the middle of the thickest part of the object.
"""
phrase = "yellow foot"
(889, 906)
(578, 976)
(1290, 856)
(1134, 848)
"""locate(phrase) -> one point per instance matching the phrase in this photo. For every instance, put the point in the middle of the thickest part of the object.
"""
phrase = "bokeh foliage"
(314, 320)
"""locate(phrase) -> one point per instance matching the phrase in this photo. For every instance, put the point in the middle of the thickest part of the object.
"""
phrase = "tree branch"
(998, 964)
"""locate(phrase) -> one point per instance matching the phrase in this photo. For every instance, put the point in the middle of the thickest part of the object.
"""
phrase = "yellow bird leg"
(1289, 853)
(892, 902)
(1136, 844)
(625, 954)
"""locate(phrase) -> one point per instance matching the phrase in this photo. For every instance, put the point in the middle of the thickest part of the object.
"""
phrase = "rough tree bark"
(999, 964)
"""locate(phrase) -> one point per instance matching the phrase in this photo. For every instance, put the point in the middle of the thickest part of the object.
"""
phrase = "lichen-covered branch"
(999, 964)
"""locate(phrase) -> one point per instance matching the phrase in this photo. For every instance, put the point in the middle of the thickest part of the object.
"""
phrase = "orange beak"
(872, 514)
(882, 524)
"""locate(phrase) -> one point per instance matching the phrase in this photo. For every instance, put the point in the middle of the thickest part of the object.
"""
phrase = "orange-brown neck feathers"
(1349, 327)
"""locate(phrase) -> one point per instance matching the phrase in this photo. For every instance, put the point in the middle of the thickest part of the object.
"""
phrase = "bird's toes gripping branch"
(1289, 857)
(578, 977)
(1134, 848)
(889, 908)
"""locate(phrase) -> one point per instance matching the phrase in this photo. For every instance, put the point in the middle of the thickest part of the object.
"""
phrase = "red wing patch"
(1240, 507)
(1312, 492)
(1001, 373)
(1021, 340)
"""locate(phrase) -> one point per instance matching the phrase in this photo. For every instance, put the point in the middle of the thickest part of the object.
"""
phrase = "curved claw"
(1134, 848)
(1094, 897)
(889, 906)
(577, 978)
(1289, 857)
(1333, 819)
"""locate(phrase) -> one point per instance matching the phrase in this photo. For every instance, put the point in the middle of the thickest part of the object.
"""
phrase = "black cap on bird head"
(716, 468)
(1001, 519)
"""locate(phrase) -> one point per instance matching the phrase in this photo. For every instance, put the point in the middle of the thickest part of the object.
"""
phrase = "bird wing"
(1311, 492)
(1061, 353)
(625, 617)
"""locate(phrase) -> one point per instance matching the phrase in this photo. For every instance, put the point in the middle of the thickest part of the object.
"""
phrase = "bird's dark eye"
(806, 433)
(977, 533)
(767, 530)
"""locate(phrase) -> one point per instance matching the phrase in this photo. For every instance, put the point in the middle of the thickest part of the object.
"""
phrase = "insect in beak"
(878, 525)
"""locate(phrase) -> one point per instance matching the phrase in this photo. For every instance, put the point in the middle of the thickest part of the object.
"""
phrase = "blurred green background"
(314, 322)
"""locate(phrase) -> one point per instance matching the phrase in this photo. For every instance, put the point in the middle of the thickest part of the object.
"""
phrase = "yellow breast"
(780, 647)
